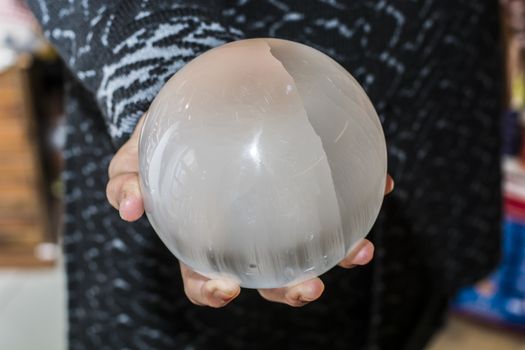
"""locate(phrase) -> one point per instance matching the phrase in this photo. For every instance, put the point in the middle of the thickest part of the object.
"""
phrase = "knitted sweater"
(431, 70)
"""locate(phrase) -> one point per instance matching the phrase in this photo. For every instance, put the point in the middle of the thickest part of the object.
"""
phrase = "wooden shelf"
(23, 213)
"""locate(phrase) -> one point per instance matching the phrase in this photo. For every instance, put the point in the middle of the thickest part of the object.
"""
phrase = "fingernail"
(124, 203)
(303, 302)
(122, 199)
(224, 295)
(360, 257)
(390, 187)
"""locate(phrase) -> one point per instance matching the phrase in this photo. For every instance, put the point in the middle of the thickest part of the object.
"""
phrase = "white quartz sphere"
(264, 161)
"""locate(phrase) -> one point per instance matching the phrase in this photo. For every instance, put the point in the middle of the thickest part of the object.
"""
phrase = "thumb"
(123, 191)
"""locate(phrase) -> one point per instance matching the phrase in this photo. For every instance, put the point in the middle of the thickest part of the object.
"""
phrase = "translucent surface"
(262, 160)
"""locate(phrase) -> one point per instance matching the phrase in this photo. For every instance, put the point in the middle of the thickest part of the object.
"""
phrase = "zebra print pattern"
(123, 52)
(431, 68)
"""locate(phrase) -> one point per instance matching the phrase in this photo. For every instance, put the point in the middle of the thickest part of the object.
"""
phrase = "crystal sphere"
(262, 160)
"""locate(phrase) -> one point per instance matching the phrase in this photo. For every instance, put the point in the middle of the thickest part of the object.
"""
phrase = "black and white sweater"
(124, 51)
(431, 69)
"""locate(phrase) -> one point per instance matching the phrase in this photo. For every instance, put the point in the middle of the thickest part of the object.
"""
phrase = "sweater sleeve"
(124, 51)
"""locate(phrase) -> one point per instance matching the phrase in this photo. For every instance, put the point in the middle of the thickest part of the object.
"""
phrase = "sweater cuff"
(146, 51)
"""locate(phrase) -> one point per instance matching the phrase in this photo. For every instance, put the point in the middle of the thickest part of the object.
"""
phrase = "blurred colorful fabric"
(501, 297)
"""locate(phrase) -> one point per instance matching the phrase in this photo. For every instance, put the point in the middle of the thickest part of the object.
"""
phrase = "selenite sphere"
(264, 161)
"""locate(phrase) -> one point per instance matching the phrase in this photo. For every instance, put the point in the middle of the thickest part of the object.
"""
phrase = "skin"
(123, 192)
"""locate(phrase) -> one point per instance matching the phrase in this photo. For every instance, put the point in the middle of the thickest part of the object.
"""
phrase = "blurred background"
(489, 315)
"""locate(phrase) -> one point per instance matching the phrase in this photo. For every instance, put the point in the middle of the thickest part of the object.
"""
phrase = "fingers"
(296, 296)
(123, 193)
(361, 254)
(203, 291)
(126, 160)
(308, 291)
(389, 185)
(218, 293)
(123, 190)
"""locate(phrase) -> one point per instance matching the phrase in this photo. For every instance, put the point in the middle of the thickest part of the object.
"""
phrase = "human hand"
(123, 193)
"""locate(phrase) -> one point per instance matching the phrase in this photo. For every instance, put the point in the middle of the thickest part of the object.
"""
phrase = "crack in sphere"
(262, 160)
